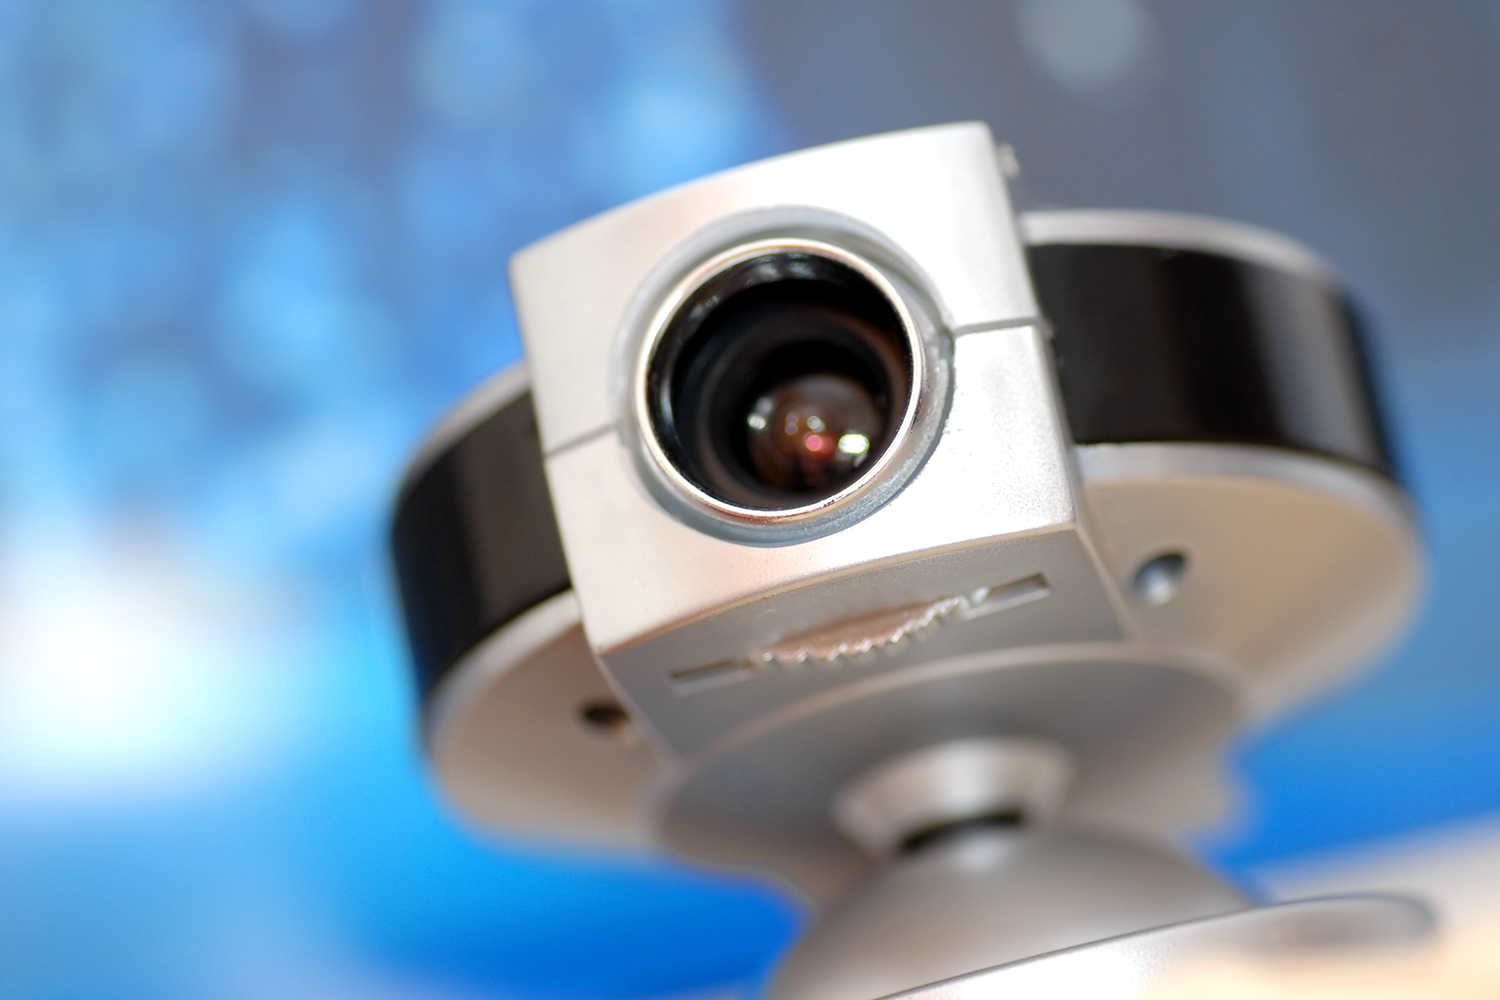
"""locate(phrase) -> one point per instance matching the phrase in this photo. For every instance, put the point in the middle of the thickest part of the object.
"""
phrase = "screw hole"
(609, 718)
(1159, 578)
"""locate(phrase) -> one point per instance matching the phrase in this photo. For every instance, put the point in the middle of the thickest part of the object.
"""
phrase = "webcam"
(842, 524)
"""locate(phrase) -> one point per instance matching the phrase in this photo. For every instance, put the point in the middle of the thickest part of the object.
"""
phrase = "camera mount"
(846, 527)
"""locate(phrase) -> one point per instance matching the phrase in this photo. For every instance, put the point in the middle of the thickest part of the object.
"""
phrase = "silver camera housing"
(1003, 617)
(671, 607)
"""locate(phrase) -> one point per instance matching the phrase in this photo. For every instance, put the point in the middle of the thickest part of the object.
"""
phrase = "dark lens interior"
(780, 381)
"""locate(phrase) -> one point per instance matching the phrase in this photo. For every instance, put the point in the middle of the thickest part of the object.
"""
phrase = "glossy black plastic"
(475, 540)
(1159, 344)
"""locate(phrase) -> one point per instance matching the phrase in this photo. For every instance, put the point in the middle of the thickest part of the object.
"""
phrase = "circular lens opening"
(781, 380)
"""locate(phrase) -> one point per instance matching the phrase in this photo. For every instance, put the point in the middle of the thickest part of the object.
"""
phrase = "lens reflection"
(781, 380)
(813, 433)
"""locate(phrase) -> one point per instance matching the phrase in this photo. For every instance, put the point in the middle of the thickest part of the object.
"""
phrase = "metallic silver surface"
(898, 460)
(986, 897)
(924, 790)
(1265, 602)
(932, 198)
(1124, 968)
(993, 504)
(1174, 229)
(511, 748)
(1141, 725)
(1299, 568)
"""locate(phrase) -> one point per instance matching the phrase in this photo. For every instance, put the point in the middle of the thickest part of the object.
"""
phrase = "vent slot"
(1005, 596)
(695, 679)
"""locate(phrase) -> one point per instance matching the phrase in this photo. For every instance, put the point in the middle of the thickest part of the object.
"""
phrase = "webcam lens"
(813, 433)
(781, 380)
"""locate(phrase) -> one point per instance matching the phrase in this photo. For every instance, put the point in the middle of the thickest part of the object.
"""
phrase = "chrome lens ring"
(792, 341)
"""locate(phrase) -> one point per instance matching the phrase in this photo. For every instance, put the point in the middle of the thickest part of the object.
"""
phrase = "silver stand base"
(996, 898)
(1122, 968)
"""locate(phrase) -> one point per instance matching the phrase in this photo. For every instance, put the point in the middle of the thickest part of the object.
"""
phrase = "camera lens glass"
(781, 380)
(813, 432)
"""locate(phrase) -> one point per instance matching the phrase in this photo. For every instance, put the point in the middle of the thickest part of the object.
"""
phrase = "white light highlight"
(854, 444)
(122, 672)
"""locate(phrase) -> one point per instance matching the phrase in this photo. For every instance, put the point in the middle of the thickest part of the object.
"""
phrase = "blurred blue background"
(250, 250)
